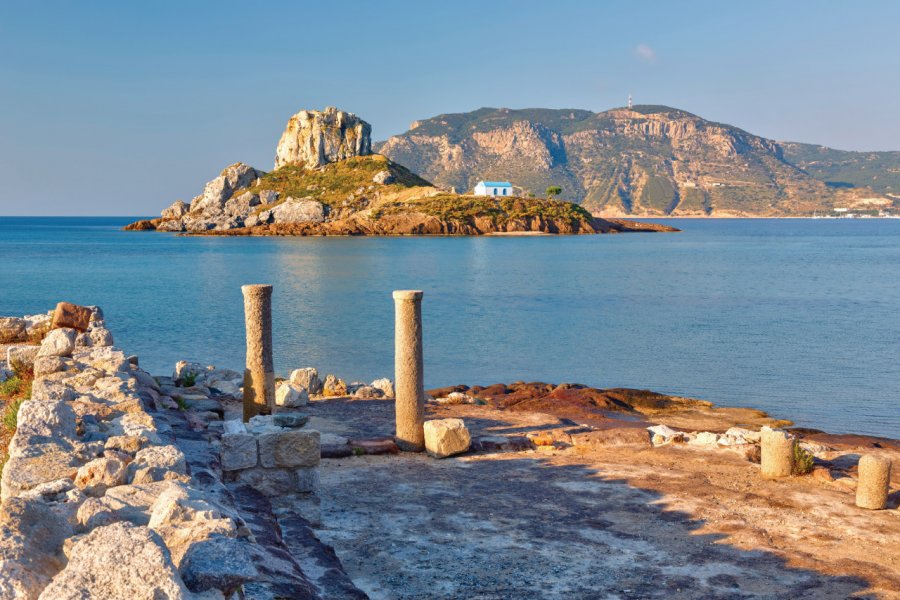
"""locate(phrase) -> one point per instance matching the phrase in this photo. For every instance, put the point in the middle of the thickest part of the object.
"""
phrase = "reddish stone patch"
(71, 316)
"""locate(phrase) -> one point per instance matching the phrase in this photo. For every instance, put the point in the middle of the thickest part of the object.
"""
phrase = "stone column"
(874, 482)
(409, 393)
(259, 376)
(777, 453)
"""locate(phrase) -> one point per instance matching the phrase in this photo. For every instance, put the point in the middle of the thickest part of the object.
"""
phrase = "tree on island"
(553, 190)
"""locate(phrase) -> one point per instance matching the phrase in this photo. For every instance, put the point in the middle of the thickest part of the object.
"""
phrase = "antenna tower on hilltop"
(629, 102)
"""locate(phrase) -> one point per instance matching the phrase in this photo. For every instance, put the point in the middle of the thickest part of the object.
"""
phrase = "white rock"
(314, 138)
(704, 438)
(97, 476)
(289, 395)
(21, 357)
(120, 561)
(385, 385)
(307, 378)
(59, 342)
(446, 437)
(299, 210)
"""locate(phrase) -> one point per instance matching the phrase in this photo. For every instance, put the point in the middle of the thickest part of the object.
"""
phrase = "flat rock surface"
(610, 522)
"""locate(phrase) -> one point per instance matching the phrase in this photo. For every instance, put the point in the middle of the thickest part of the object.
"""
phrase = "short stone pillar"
(776, 453)
(409, 391)
(874, 482)
(259, 376)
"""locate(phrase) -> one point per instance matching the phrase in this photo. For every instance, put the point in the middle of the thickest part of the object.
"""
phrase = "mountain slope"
(649, 160)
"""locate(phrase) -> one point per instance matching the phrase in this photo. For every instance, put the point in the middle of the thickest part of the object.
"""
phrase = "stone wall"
(113, 490)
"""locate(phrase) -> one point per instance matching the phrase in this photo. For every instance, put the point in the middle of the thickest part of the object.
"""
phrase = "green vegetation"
(553, 190)
(803, 460)
(452, 207)
(13, 392)
(189, 380)
(333, 183)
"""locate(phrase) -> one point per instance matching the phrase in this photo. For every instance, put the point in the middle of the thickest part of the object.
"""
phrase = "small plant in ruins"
(803, 460)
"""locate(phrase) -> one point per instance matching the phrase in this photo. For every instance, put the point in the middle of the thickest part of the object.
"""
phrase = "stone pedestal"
(874, 482)
(777, 453)
(410, 387)
(259, 376)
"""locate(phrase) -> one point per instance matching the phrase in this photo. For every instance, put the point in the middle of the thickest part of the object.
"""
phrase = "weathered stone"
(101, 473)
(217, 563)
(157, 463)
(187, 373)
(408, 363)
(59, 342)
(47, 365)
(334, 386)
(446, 437)
(71, 316)
(619, 436)
(238, 451)
(106, 359)
(307, 378)
(259, 376)
(44, 421)
(296, 448)
(307, 480)
(777, 453)
(289, 395)
(312, 138)
(874, 482)
(384, 177)
(292, 420)
(176, 210)
(367, 392)
(705, 438)
(31, 540)
(385, 385)
(12, 329)
(662, 434)
(219, 190)
(100, 337)
(269, 482)
(299, 210)
(118, 561)
(130, 503)
(36, 464)
(21, 358)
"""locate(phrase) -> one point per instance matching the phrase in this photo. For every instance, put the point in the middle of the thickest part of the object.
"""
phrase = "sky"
(119, 108)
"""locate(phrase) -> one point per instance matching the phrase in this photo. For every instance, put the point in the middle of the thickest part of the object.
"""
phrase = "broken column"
(874, 482)
(777, 453)
(259, 376)
(409, 390)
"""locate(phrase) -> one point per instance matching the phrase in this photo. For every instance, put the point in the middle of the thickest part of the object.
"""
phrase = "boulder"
(59, 342)
(238, 450)
(36, 464)
(157, 463)
(299, 210)
(217, 563)
(100, 336)
(177, 210)
(37, 324)
(220, 189)
(334, 386)
(240, 206)
(384, 177)
(289, 395)
(31, 540)
(12, 329)
(118, 561)
(71, 316)
(97, 476)
(313, 138)
(187, 372)
(385, 385)
(446, 437)
(268, 196)
(41, 421)
(308, 379)
(662, 434)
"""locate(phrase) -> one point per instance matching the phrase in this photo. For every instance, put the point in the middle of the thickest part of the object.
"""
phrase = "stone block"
(71, 316)
(307, 480)
(617, 436)
(269, 482)
(446, 437)
(59, 342)
(289, 395)
(291, 420)
(297, 448)
(238, 451)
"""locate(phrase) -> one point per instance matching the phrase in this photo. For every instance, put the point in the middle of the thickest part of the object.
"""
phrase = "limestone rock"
(118, 561)
(334, 386)
(35, 464)
(44, 421)
(307, 378)
(100, 336)
(446, 437)
(267, 196)
(59, 342)
(220, 189)
(384, 177)
(269, 482)
(289, 395)
(72, 316)
(618, 436)
(12, 329)
(662, 434)
(217, 563)
(31, 540)
(297, 448)
(21, 358)
(47, 365)
(385, 385)
(238, 451)
(157, 463)
(240, 206)
(177, 210)
(314, 138)
(101, 473)
(187, 372)
(299, 210)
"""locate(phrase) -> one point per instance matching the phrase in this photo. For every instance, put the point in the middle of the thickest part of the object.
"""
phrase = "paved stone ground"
(624, 523)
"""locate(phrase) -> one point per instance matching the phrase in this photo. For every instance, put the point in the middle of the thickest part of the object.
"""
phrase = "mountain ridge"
(649, 160)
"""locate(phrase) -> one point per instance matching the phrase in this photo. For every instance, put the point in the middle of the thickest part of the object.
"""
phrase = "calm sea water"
(799, 318)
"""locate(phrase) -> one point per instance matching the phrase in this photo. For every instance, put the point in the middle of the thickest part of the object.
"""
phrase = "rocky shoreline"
(122, 484)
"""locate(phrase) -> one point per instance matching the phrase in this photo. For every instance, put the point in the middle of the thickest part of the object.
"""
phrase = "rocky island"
(327, 181)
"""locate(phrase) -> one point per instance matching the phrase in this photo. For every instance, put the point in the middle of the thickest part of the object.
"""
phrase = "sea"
(799, 318)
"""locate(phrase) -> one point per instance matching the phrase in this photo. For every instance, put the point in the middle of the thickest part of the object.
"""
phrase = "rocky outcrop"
(313, 138)
(652, 160)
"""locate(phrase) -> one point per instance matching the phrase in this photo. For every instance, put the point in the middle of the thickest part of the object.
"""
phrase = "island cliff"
(327, 182)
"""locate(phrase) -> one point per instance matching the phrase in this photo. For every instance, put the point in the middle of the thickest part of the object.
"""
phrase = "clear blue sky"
(119, 108)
